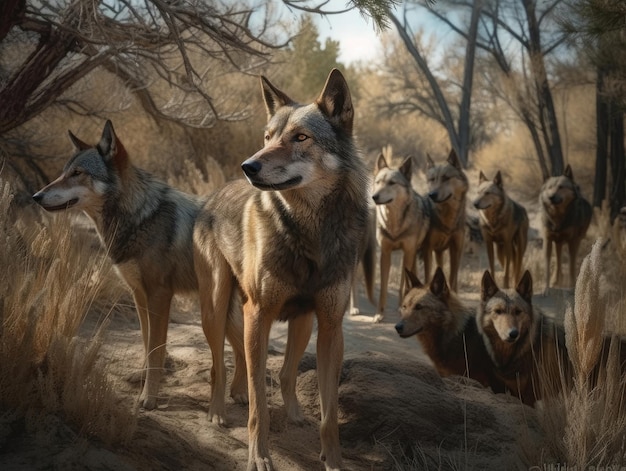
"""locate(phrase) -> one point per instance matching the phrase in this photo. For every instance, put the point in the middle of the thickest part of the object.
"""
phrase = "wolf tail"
(369, 259)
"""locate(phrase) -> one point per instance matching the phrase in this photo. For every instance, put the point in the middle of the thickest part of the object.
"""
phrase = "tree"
(601, 30)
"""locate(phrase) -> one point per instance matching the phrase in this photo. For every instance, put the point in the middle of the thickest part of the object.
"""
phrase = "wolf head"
(303, 143)
(508, 313)
(391, 183)
(490, 193)
(559, 192)
(447, 180)
(87, 176)
(423, 305)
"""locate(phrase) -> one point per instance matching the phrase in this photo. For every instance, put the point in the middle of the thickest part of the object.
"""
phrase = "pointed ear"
(335, 101)
(488, 287)
(111, 148)
(410, 281)
(381, 162)
(498, 179)
(77, 143)
(273, 97)
(525, 287)
(405, 168)
(453, 159)
(438, 285)
(482, 177)
(568, 172)
(429, 161)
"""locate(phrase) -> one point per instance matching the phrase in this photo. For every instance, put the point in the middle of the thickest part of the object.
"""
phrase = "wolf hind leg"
(299, 333)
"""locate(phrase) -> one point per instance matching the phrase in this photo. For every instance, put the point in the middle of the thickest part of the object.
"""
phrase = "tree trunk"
(602, 136)
(547, 113)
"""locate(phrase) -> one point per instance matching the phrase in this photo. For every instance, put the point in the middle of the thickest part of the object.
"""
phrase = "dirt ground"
(395, 411)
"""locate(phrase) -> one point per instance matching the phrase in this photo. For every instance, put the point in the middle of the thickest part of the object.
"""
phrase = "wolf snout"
(400, 327)
(433, 195)
(38, 197)
(513, 335)
(555, 199)
(251, 167)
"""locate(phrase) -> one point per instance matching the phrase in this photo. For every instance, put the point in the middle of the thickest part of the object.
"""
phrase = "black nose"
(376, 197)
(555, 199)
(433, 195)
(476, 205)
(400, 327)
(251, 168)
(513, 334)
(38, 197)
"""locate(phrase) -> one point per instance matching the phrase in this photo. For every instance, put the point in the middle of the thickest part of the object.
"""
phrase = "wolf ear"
(488, 287)
(453, 159)
(429, 161)
(482, 177)
(77, 143)
(405, 168)
(111, 148)
(410, 281)
(335, 101)
(438, 285)
(525, 287)
(273, 97)
(568, 172)
(498, 179)
(381, 162)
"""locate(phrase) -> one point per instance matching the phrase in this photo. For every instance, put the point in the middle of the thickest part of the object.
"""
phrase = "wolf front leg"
(329, 362)
(257, 325)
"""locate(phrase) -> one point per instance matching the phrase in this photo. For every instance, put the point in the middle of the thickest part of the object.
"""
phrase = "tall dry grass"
(51, 281)
(587, 426)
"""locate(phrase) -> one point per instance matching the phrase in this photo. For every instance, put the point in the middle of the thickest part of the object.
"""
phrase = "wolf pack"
(284, 244)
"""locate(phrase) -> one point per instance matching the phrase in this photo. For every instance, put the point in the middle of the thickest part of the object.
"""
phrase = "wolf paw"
(354, 311)
(148, 402)
(217, 419)
(239, 397)
(378, 318)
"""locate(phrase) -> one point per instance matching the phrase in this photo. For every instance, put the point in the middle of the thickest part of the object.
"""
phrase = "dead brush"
(586, 427)
(51, 281)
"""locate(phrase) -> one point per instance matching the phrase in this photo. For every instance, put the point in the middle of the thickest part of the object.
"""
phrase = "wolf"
(401, 221)
(503, 222)
(446, 329)
(447, 190)
(526, 347)
(565, 217)
(289, 238)
(147, 229)
(619, 233)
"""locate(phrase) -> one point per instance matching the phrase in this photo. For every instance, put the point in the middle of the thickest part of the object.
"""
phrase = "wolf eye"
(301, 137)
(76, 172)
(499, 311)
(266, 137)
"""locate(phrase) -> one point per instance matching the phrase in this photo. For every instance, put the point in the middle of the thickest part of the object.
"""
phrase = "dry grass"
(50, 283)
(587, 426)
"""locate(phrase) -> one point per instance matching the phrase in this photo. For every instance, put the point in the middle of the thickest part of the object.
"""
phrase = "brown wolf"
(527, 348)
(447, 189)
(566, 215)
(401, 222)
(289, 237)
(503, 222)
(446, 329)
(147, 229)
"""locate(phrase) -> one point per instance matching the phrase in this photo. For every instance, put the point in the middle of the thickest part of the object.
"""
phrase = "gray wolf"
(147, 228)
(401, 221)
(526, 347)
(503, 222)
(565, 216)
(619, 233)
(447, 190)
(446, 329)
(289, 238)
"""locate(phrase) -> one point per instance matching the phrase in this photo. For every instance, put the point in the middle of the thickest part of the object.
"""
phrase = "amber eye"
(267, 137)
(301, 137)
(499, 311)
(76, 172)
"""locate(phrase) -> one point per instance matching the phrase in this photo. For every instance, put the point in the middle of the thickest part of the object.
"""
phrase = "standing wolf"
(447, 190)
(565, 216)
(147, 228)
(446, 329)
(289, 237)
(503, 222)
(401, 222)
